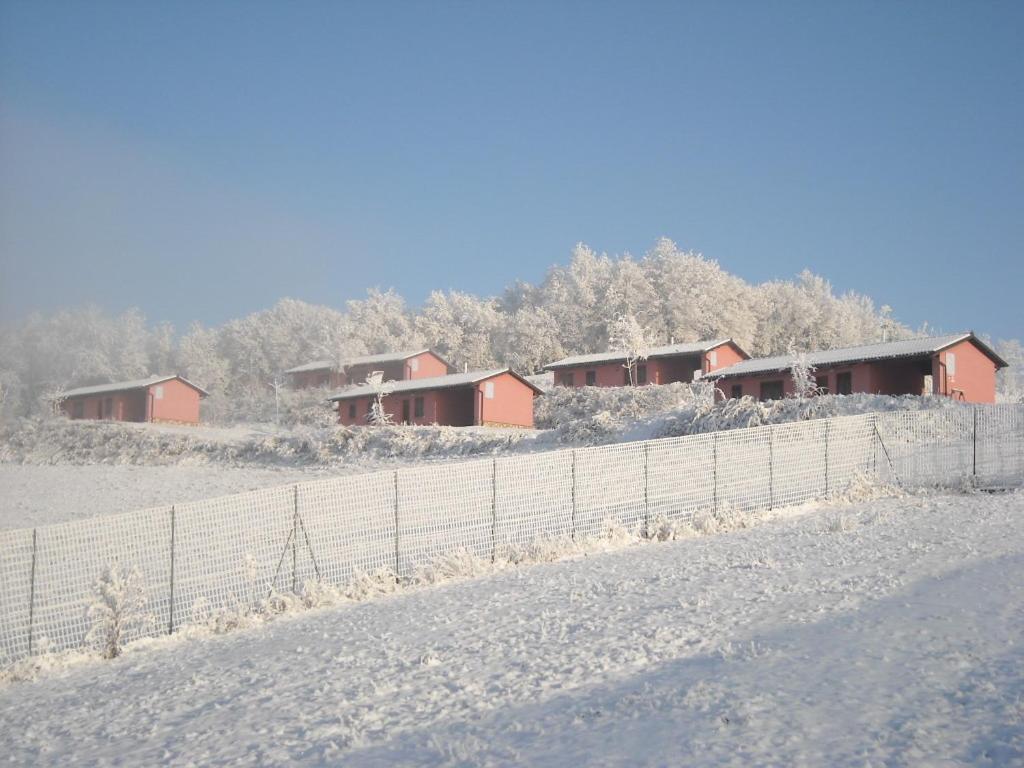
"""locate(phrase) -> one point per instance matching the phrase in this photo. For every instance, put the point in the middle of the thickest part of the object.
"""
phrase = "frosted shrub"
(459, 563)
(117, 610)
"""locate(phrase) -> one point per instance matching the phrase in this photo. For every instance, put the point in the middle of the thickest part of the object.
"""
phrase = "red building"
(158, 398)
(958, 366)
(500, 398)
(395, 366)
(675, 362)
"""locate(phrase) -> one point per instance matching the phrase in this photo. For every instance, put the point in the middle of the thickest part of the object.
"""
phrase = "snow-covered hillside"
(883, 632)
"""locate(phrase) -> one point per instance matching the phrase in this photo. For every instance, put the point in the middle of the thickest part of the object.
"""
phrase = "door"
(405, 412)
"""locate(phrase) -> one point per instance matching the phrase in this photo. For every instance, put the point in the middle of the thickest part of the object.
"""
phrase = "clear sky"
(201, 160)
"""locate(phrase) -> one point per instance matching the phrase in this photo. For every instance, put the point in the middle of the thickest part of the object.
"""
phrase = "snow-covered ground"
(882, 632)
(32, 495)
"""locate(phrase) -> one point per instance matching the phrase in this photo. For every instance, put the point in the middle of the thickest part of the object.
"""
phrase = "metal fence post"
(974, 444)
(170, 620)
(32, 592)
(573, 518)
(771, 467)
(494, 510)
(828, 425)
(295, 541)
(714, 471)
(647, 500)
(396, 527)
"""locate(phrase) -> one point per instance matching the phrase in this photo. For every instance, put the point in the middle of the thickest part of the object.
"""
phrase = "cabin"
(395, 366)
(663, 365)
(959, 366)
(158, 398)
(499, 398)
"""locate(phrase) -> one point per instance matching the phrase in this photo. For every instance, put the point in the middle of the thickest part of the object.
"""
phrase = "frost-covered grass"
(892, 638)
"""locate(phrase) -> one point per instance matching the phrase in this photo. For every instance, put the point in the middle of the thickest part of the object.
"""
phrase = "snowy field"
(881, 632)
(32, 495)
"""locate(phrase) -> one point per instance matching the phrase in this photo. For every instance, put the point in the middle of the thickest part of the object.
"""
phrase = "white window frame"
(489, 390)
(951, 363)
(158, 392)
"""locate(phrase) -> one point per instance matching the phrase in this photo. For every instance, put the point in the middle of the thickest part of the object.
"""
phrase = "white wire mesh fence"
(231, 553)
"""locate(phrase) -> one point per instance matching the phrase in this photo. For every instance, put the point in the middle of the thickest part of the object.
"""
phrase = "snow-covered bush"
(118, 610)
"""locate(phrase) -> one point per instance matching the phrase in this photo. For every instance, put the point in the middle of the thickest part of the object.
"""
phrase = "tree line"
(674, 295)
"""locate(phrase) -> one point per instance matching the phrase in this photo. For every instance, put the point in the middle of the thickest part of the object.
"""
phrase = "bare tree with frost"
(117, 610)
(802, 372)
(625, 334)
(377, 414)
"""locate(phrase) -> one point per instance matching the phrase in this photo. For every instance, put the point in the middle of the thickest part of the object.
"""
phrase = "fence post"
(771, 467)
(295, 541)
(494, 510)
(32, 593)
(714, 471)
(647, 500)
(974, 445)
(828, 425)
(396, 527)
(170, 620)
(573, 518)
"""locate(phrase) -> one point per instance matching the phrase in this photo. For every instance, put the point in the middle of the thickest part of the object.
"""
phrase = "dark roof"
(669, 350)
(891, 350)
(126, 386)
(433, 382)
(384, 357)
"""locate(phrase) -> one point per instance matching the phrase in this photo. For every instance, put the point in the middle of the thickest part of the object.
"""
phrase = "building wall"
(722, 356)
(512, 403)
(455, 406)
(124, 406)
(180, 402)
(974, 379)
(427, 364)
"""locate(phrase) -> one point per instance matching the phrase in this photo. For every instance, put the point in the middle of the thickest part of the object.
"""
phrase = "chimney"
(465, 367)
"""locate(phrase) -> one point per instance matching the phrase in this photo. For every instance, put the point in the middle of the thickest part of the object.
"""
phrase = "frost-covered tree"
(626, 335)
(117, 610)
(461, 328)
(802, 373)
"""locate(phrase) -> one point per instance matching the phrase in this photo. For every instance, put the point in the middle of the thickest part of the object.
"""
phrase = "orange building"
(395, 366)
(476, 398)
(158, 398)
(663, 365)
(959, 366)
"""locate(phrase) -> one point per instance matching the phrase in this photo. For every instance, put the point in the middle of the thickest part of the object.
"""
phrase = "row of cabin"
(960, 366)
(418, 387)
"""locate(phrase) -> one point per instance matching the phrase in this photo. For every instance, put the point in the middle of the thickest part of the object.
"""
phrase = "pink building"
(675, 362)
(500, 398)
(395, 366)
(958, 366)
(158, 398)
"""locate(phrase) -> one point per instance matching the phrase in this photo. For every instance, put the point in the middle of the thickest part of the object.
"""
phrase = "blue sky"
(201, 160)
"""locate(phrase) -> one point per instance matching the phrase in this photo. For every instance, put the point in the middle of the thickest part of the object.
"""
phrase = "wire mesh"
(229, 553)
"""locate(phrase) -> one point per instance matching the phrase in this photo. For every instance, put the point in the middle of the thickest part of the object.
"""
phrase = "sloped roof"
(385, 357)
(670, 350)
(125, 386)
(433, 382)
(868, 352)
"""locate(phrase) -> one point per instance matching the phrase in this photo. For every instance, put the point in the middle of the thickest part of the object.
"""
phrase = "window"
(737, 390)
(844, 383)
(626, 378)
(951, 364)
(108, 408)
(567, 379)
(641, 374)
(417, 408)
(78, 409)
(369, 406)
(414, 364)
(405, 411)
(489, 390)
(771, 390)
(351, 410)
(591, 378)
(158, 392)
(713, 358)
(821, 382)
